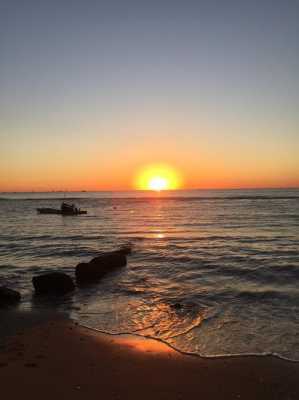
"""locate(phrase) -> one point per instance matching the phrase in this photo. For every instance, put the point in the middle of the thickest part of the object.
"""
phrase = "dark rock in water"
(100, 266)
(53, 282)
(177, 306)
(126, 250)
(111, 259)
(8, 296)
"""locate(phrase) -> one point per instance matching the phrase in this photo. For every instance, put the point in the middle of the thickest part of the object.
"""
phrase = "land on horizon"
(161, 192)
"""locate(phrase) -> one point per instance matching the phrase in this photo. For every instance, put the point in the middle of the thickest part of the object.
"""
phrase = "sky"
(92, 92)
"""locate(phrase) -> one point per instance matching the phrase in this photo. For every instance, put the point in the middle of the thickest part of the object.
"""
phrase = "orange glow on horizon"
(158, 177)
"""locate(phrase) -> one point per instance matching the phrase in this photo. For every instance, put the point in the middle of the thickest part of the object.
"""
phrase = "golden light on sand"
(157, 178)
(145, 345)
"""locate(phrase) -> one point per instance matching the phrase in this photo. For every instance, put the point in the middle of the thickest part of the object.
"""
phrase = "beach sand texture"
(59, 359)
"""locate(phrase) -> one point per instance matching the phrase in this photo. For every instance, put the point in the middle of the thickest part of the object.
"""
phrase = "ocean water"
(212, 272)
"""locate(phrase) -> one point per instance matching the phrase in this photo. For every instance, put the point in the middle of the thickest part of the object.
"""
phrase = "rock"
(125, 249)
(176, 306)
(8, 296)
(100, 266)
(53, 282)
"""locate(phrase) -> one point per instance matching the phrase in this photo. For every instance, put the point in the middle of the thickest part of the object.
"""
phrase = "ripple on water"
(212, 276)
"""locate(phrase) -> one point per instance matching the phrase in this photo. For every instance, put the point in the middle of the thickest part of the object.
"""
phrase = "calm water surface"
(212, 272)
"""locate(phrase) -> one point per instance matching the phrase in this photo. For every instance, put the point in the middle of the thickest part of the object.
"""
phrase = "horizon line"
(151, 191)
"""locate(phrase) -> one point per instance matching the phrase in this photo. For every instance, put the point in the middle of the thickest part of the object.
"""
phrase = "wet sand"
(58, 359)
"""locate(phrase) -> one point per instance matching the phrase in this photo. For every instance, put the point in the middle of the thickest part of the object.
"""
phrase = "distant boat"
(65, 209)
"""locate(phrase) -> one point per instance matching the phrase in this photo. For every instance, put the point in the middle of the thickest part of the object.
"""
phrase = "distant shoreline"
(152, 191)
(200, 194)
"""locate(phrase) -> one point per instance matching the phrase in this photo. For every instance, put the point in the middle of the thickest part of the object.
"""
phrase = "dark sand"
(58, 359)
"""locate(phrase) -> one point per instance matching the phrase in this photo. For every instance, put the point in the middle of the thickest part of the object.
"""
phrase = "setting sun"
(158, 177)
(158, 183)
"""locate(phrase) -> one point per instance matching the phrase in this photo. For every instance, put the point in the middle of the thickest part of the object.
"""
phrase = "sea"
(212, 272)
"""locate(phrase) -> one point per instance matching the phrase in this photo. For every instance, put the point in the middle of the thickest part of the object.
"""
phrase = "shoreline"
(15, 320)
(61, 358)
(186, 353)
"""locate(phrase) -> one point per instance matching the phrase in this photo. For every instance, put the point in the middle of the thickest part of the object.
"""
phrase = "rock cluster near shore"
(59, 283)
(94, 270)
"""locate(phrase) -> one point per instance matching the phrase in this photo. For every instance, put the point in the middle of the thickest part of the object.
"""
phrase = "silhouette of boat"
(65, 209)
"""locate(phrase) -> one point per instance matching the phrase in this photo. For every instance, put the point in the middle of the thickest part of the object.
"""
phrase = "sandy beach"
(58, 358)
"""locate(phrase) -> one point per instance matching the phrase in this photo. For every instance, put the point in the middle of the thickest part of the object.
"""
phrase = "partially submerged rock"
(53, 282)
(100, 266)
(8, 296)
(176, 306)
(125, 249)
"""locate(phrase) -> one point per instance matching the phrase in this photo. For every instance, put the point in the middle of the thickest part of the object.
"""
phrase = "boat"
(65, 209)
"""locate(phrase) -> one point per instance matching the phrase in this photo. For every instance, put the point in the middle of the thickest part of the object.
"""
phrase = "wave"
(190, 353)
(74, 199)
(291, 297)
(51, 238)
(266, 274)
